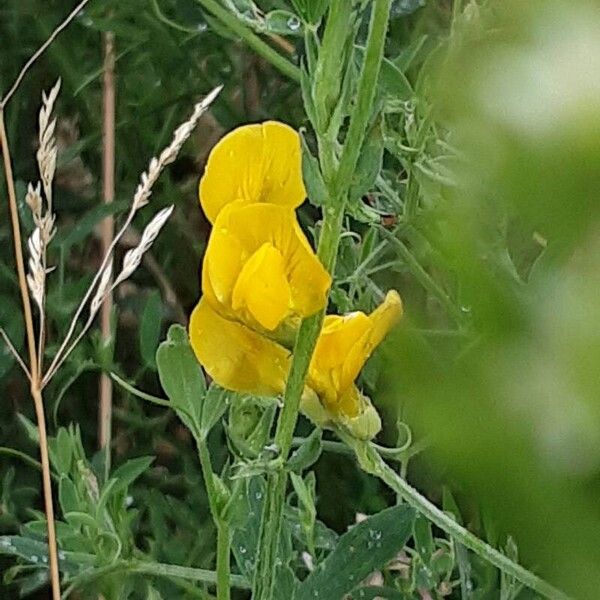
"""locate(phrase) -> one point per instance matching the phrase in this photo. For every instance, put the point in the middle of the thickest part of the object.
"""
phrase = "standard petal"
(236, 357)
(254, 163)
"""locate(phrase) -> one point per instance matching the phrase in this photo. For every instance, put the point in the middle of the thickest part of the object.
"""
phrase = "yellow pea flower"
(260, 270)
(236, 357)
(254, 163)
(245, 361)
(343, 347)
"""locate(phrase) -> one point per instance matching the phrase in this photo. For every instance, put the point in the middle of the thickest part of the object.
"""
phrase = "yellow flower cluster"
(260, 277)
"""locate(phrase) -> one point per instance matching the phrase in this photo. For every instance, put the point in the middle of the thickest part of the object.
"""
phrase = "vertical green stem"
(338, 183)
(223, 532)
(268, 541)
(223, 560)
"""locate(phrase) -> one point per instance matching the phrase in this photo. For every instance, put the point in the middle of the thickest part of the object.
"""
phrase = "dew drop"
(293, 23)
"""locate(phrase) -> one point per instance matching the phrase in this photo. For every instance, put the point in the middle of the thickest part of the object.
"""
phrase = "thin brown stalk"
(18, 245)
(33, 361)
(107, 231)
(280, 41)
(38, 401)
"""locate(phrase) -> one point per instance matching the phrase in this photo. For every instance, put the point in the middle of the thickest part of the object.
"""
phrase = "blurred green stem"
(371, 462)
(223, 532)
(236, 26)
(144, 567)
(338, 186)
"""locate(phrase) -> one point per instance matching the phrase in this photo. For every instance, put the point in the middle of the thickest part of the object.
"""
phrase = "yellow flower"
(254, 163)
(245, 361)
(236, 357)
(343, 347)
(260, 270)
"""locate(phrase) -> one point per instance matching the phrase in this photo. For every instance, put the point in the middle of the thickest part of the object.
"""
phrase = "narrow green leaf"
(424, 538)
(213, 408)
(128, 472)
(313, 180)
(85, 225)
(308, 453)
(365, 548)
(63, 450)
(150, 325)
(68, 496)
(80, 519)
(36, 552)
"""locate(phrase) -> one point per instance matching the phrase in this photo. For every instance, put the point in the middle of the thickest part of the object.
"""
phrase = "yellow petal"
(236, 357)
(254, 163)
(257, 234)
(262, 287)
(382, 319)
(343, 347)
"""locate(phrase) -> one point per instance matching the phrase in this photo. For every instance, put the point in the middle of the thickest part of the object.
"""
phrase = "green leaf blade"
(365, 548)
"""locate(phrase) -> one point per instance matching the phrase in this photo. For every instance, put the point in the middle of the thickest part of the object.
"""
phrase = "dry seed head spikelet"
(47, 152)
(101, 282)
(133, 257)
(168, 155)
(33, 199)
(37, 274)
(103, 288)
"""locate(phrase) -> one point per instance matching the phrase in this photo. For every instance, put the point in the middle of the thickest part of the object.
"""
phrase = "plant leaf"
(150, 325)
(365, 548)
(181, 377)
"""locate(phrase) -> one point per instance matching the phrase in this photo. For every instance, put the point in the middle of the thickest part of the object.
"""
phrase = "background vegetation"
(479, 204)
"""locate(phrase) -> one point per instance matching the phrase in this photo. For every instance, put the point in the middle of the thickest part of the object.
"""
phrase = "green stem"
(272, 517)
(223, 533)
(151, 568)
(188, 573)
(371, 462)
(367, 87)
(327, 75)
(236, 26)
(339, 184)
(223, 560)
